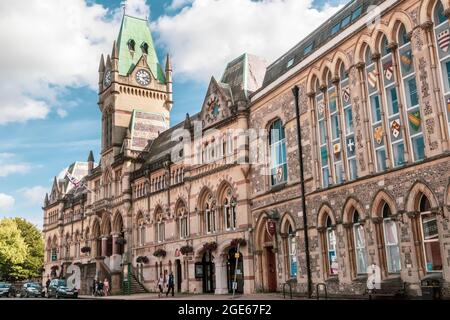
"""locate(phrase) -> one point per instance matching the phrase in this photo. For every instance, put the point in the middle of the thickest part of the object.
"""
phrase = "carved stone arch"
(382, 32)
(324, 212)
(224, 247)
(179, 204)
(324, 69)
(363, 42)
(312, 78)
(352, 204)
(398, 19)
(260, 228)
(158, 213)
(139, 215)
(379, 200)
(54, 241)
(118, 224)
(427, 8)
(96, 227)
(287, 219)
(415, 193)
(339, 58)
(447, 195)
(106, 227)
(224, 185)
(203, 197)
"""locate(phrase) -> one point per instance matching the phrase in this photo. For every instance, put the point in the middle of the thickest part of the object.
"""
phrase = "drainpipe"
(295, 91)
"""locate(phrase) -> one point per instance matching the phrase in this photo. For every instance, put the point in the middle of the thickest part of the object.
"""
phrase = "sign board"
(238, 271)
(234, 285)
(236, 255)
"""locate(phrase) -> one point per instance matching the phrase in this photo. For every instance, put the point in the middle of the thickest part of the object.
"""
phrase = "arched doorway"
(209, 277)
(178, 274)
(235, 270)
(266, 254)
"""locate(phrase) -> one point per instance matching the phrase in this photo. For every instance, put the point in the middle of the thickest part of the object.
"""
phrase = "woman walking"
(106, 286)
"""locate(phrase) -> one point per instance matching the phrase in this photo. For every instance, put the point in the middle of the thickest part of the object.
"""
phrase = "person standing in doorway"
(161, 284)
(170, 284)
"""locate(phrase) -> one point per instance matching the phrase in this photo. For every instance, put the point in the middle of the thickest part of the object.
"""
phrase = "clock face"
(143, 77)
(107, 79)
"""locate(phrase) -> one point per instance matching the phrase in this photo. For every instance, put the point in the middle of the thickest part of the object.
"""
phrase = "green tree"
(13, 250)
(31, 267)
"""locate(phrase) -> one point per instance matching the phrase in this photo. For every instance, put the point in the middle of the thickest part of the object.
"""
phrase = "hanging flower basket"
(142, 259)
(160, 253)
(86, 249)
(185, 250)
(239, 241)
(210, 246)
(121, 241)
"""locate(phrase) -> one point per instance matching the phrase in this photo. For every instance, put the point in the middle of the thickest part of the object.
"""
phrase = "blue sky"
(50, 116)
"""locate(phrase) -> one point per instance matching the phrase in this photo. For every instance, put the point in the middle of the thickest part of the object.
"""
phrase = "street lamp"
(295, 92)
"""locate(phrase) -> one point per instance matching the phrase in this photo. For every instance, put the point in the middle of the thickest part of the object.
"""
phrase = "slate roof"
(318, 38)
(138, 30)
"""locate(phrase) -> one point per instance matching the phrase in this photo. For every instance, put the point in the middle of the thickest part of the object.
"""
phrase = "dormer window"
(144, 48)
(290, 63)
(131, 44)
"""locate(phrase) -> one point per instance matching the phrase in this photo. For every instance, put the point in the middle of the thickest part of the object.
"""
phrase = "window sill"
(278, 187)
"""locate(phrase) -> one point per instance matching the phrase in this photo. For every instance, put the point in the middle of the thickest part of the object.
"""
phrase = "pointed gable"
(217, 104)
(137, 32)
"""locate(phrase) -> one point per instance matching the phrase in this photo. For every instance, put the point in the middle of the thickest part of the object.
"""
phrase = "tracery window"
(391, 242)
(229, 207)
(278, 163)
(360, 244)
(331, 245)
(442, 35)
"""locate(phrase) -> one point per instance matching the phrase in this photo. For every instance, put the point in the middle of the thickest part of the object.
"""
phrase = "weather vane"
(124, 6)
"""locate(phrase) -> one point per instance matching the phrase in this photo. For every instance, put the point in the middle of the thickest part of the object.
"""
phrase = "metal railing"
(284, 289)
(324, 289)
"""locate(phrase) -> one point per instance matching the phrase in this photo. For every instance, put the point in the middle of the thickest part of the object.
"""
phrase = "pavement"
(154, 296)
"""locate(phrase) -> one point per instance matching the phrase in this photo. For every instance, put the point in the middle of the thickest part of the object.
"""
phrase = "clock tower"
(135, 94)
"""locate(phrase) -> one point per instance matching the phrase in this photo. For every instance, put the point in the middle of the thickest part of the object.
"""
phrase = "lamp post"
(295, 92)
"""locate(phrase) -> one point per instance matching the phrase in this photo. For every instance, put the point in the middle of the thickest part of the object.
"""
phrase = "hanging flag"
(346, 94)
(378, 134)
(388, 70)
(395, 128)
(444, 40)
(372, 78)
(406, 60)
(337, 148)
(414, 120)
(76, 183)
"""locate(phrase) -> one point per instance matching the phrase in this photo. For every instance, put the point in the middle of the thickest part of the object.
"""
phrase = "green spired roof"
(138, 30)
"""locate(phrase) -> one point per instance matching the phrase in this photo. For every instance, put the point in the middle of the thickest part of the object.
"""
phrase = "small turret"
(114, 57)
(46, 200)
(90, 162)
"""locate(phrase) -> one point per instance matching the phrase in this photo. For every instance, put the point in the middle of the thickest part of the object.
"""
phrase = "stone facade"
(376, 193)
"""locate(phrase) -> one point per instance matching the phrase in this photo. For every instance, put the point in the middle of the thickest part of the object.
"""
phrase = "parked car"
(31, 290)
(7, 290)
(58, 289)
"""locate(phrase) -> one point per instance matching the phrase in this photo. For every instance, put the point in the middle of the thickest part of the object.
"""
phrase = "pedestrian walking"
(161, 284)
(94, 287)
(106, 286)
(170, 284)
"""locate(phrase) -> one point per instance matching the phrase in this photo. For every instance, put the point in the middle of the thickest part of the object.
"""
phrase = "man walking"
(170, 284)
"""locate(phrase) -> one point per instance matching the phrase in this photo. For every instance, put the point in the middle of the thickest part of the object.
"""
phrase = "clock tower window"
(144, 48)
(131, 44)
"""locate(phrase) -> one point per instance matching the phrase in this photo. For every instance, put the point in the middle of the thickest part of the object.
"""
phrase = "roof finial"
(124, 6)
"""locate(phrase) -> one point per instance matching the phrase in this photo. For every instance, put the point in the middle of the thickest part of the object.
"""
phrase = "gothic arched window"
(144, 48)
(131, 44)
(292, 252)
(391, 243)
(430, 236)
(360, 244)
(229, 207)
(323, 136)
(413, 115)
(278, 163)
(442, 34)
(379, 142)
(350, 146)
(331, 247)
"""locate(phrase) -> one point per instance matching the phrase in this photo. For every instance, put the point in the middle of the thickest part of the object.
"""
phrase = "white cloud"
(10, 165)
(6, 202)
(34, 195)
(49, 46)
(205, 36)
(178, 4)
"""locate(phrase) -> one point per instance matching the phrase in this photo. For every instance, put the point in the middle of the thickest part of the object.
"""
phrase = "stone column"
(115, 246)
(221, 275)
(104, 246)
